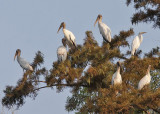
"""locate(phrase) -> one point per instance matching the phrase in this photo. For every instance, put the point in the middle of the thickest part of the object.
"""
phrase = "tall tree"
(92, 90)
(146, 11)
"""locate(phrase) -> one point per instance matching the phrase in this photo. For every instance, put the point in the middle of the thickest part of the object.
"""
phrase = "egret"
(116, 78)
(22, 62)
(136, 42)
(70, 38)
(62, 52)
(105, 31)
(145, 80)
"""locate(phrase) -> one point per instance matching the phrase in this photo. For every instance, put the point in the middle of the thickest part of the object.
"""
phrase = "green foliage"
(92, 91)
(147, 11)
(26, 87)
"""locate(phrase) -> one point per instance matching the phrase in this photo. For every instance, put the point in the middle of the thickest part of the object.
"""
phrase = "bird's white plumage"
(136, 43)
(145, 80)
(116, 78)
(61, 53)
(70, 38)
(105, 31)
(24, 64)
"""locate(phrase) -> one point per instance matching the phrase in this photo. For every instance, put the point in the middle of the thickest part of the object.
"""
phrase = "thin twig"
(69, 85)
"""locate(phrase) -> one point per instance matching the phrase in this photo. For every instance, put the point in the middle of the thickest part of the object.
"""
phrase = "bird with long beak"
(116, 78)
(145, 80)
(22, 62)
(105, 31)
(69, 36)
(62, 51)
(136, 42)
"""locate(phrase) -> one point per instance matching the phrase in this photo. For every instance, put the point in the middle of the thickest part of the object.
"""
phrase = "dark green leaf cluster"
(91, 89)
(147, 11)
(26, 87)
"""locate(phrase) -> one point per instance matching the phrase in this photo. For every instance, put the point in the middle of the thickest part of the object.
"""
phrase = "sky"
(32, 25)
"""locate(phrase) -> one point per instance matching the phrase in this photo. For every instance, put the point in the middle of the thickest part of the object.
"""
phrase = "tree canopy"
(146, 11)
(88, 72)
(92, 90)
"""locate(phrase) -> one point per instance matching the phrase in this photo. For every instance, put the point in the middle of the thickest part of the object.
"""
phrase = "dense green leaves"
(88, 72)
(147, 11)
(91, 88)
(26, 87)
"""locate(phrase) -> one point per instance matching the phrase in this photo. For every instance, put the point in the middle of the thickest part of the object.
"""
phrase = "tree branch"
(39, 81)
(68, 85)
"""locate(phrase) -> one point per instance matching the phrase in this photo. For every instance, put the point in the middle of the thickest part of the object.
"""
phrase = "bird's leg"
(136, 53)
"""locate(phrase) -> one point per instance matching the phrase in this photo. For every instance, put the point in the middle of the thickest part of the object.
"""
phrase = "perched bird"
(22, 62)
(136, 42)
(69, 36)
(105, 31)
(145, 80)
(61, 53)
(116, 78)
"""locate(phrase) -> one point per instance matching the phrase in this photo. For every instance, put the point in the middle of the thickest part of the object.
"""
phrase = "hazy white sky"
(32, 25)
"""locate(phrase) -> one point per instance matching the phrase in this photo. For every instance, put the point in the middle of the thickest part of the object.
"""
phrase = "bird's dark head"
(62, 25)
(118, 64)
(18, 52)
(99, 17)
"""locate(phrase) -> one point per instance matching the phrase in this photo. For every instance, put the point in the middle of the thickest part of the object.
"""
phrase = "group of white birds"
(69, 40)
(117, 79)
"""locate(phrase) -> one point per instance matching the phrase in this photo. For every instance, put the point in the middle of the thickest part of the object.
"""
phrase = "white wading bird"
(145, 80)
(22, 62)
(62, 52)
(70, 38)
(136, 42)
(105, 31)
(116, 78)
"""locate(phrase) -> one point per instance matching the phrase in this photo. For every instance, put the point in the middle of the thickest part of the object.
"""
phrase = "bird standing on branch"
(62, 52)
(22, 62)
(116, 78)
(136, 42)
(105, 31)
(145, 80)
(69, 36)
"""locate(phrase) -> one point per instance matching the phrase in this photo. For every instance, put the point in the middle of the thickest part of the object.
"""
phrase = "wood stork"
(136, 42)
(105, 31)
(116, 78)
(22, 62)
(145, 80)
(62, 52)
(70, 38)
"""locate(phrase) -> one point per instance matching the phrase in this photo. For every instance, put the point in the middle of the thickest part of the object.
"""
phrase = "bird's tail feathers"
(106, 40)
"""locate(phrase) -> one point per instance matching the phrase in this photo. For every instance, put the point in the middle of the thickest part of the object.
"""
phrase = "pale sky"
(32, 25)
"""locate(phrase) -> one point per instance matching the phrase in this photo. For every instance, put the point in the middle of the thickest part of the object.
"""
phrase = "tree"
(147, 11)
(92, 91)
